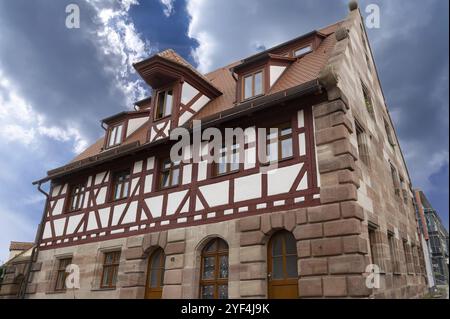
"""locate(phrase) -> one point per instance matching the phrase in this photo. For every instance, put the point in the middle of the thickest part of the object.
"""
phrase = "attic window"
(115, 135)
(302, 51)
(164, 104)
(253, 85)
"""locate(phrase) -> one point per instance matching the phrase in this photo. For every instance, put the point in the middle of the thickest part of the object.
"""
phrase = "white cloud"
(21, 123)
(230, 30)
(423, 163)
(168, 7)
(117, 37)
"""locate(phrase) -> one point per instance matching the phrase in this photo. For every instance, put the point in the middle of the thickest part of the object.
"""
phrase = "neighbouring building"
(13, 271)
(139, 225)
(436, 238)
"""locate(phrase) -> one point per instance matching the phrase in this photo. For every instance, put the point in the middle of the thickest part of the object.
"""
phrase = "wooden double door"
(282, 266)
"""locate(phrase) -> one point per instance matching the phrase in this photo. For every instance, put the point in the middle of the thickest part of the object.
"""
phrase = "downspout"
(37, 241)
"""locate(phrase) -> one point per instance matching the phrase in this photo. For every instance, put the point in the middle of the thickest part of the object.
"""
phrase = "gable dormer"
(179, 91)
(121, 126)
(257, 74)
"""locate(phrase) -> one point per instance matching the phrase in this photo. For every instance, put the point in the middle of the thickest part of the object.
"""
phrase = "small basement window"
(164, 104)
(115, 135)
(302, 51)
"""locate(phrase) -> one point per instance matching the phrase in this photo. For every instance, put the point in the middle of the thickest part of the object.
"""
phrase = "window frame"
(363, 145)
(217, 253)
(165, 90)
(393, 252)
(280, 138)
(284, 237)
(112, 268)
(162, 169)
(368, 101)
(80, 197)
(121, 137)
(252, 74)
(224, 152)
(61, 273)
(388, 130)
(310, 46)
(114, 184)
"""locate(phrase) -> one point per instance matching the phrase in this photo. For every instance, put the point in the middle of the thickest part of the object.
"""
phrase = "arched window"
(214, 270)
(282, 266)
(155, 275)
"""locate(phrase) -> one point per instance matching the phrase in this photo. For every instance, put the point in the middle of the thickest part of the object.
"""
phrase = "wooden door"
(282, 266)
(155, 275)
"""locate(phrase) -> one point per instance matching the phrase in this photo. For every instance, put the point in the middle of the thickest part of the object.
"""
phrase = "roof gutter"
(258, 104)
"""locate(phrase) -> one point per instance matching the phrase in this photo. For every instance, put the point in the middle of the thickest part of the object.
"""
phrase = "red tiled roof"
(299, 72)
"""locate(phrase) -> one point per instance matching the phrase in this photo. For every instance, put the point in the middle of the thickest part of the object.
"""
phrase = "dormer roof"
(167, 66)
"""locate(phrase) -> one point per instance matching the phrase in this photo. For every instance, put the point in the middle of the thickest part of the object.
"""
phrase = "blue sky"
(57, 83)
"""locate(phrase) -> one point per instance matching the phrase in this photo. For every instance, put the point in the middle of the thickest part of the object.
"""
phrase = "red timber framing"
(189, 203)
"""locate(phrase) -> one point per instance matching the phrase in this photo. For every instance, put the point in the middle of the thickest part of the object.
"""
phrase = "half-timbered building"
(139, 225)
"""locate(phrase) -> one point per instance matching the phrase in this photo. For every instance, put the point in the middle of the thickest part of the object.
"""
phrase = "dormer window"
(302, 51)
(253, 85)
(164, 103)
(115, 135)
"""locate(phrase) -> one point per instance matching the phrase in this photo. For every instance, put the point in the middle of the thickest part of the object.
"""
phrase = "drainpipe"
(37, 241)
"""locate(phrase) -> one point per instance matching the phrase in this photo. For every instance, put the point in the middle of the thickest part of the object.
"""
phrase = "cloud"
(117, 37)
(168, 7)
(20, 123)
(230, 30)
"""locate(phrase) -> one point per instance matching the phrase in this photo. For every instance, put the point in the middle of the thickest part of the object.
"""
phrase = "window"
(169, 174)
(368, 101)
(214, 270)
(279, 143)
(115, 135)
(404, 190)
(110, 269)
(363, 150)
(164, 104)
(392, 252)
(302, 51)
(408, 258)
(155, 275)
(228, 159)
(369, 65)
(372, 244)
(76, 197)
(121, 185)
(395, 180)
(253, 85)
(61, 274)
(389, 135)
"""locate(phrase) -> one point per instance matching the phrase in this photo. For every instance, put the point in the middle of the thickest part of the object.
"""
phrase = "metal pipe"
(37, 241)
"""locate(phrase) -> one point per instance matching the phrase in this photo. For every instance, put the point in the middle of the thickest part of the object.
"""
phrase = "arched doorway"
(155, 275)
(214, 270)
(282, 266)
